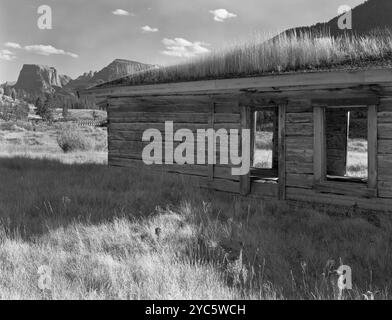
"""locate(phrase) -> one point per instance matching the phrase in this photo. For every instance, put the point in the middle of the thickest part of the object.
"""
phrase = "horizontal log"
(125, 117)
(226, 118)
(293, 142)
(221, 185)
(384, 161)
(198, 170)
(117, 135)
(136, 135)
(227, 107)
(183, 108)
(384, 189)
(299, 155)
(371, 80)
(160, 99)
(385, 105)
(260, 100)
(308, 195)
(299, 167)
(384, 146)
(224, 172)
(345, 188)
(299, 106)
(384, 172)
(299, 180)
(221, 173)
(384, 117)
(304, 117)
(135, 149)
(135, 126)
(351, 101)
(299, 129)
(265, 189)
(384, 131)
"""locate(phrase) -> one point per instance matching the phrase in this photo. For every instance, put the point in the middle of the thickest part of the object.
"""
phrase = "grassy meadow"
(120, 233)
(23, 139)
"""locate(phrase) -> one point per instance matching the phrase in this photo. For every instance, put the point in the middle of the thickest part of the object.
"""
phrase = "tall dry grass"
(285, 52)
(119, 233)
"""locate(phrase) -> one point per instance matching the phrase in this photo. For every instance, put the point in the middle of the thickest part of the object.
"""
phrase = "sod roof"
(284, 54)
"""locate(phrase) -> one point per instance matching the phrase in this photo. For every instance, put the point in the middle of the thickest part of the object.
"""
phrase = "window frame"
(265, 174)
(341, 185)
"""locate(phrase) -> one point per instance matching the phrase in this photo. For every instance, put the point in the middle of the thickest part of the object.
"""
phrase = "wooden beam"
(372, 147)
(319, 163)
(211, 122)
(344, 102)
(270, 82)
(282, 151)
(246, 123)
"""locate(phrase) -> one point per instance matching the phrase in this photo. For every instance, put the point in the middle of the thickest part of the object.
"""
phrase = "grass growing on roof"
(284, 53)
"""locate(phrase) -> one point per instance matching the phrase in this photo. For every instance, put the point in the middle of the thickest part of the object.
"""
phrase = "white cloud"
(120, 12)
(47, 50)
(149, 29)
(221, 15)
(13, 45)
(179, 47)
(6, 55)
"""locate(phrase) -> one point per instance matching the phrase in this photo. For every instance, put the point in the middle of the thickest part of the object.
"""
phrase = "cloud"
(47, 50)
(6, 55)
(13, 45)
(221, 15)
(179, 47)
(121, 12)
(149, 29)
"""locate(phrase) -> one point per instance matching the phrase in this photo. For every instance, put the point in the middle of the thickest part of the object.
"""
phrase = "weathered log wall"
(129, 115)
(384, 142)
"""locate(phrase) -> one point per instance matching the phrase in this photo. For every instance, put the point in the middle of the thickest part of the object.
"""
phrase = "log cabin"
(310, 115)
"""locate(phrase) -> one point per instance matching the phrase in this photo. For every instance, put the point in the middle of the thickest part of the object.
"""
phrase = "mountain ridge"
(42, 79)
(368, 16)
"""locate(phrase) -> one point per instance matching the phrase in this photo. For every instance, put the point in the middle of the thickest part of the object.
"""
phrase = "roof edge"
(292, 79)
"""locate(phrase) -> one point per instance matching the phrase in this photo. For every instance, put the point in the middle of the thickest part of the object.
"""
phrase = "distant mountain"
(366, 17)
(35, 78)
(117, 69)
(8, 84)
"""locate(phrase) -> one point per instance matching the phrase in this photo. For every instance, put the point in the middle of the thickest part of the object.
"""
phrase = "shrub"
(10, 111)
(16, 126)
(44, 109)
(72, 139)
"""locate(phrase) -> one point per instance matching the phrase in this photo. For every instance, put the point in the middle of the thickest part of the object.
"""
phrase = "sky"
(89, 34)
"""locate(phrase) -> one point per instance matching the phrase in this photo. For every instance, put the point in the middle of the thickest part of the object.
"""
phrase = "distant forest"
(57, 100)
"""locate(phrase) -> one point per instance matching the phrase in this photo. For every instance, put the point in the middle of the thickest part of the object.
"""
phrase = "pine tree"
(65, 109)
(39, 105)
(7, 91)
(44, 109)
(13, 94)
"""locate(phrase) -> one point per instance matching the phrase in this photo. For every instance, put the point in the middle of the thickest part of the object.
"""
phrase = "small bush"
(14, 111)
(16, 126)
(72, 139)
